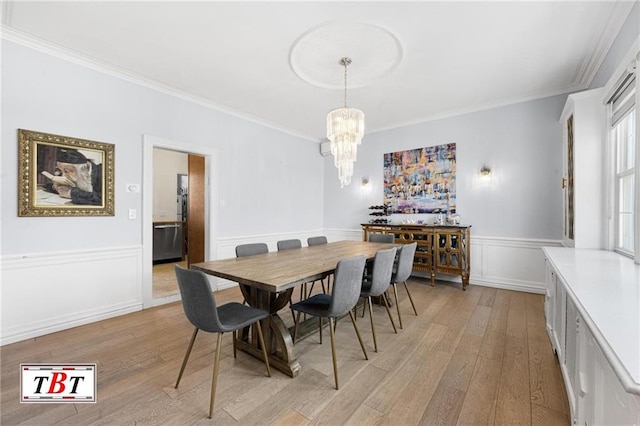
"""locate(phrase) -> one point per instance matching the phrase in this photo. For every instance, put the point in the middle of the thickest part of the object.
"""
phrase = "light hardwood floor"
(164, 279)
(476, 357)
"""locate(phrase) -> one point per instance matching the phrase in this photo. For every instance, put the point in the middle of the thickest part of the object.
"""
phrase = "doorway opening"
(170, 218)
(176, 220)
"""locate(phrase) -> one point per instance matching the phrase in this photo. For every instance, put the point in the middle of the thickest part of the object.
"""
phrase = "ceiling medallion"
(375, 52)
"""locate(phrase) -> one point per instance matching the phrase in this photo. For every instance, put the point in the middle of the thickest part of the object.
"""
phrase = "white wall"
(166, 167)
(522, 143)
(269, 182)
(266, 173)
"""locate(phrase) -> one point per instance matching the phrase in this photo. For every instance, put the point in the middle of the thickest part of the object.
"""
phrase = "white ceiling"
(449, 57)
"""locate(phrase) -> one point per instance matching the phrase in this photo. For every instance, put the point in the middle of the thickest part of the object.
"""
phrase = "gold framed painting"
(64, 176)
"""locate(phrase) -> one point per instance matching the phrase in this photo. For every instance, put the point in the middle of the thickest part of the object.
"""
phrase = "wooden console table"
(441, 248)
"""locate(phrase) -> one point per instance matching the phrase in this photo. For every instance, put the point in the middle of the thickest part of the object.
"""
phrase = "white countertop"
(606, 289)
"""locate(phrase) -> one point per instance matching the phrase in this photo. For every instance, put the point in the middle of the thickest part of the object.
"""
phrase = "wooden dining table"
(267, 282)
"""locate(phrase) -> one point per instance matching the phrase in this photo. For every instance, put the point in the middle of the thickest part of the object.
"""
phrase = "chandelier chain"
(345, 62)
(345, 83)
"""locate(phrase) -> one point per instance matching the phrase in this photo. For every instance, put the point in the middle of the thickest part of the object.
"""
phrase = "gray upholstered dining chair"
(289, 244)
(251, 249)
(346, 292)
(402, 272)
(200, 309)
(377, 284)
(316, 241)
(378, 237)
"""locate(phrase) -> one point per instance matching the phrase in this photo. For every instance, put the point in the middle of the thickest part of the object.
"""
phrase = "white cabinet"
(613, 405)
(586, 390)
(549, 299)
(601, 398)
(592, 309)
(583, 162)
(570, 359)
(555, 311)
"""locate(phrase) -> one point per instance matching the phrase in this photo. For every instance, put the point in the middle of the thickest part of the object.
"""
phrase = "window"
(623, 138)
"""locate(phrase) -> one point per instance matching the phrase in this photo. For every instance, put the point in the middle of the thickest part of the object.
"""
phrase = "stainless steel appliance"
(167, 241)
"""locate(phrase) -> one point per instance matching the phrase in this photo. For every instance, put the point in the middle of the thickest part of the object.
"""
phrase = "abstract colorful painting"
(421, 180)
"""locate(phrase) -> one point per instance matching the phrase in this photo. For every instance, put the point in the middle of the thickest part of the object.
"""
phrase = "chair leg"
(332, 333)
(264, 347)
(395, 294)
(326, 289)
(386, 306)
(410, 298)
(186, 356)
(373, 328)
(364, 308)
(353, 321)
(214, 378)
(293, 314)
(235, 336)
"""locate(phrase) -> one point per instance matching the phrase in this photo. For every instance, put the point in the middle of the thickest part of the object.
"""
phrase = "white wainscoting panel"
(47, 292)
(343, 234)
(509, 263)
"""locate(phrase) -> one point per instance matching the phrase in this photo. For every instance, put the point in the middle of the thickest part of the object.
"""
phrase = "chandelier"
(345, 128)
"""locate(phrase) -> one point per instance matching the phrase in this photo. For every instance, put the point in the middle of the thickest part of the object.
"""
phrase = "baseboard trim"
(524, 287)
(527, 287)
(18, 334)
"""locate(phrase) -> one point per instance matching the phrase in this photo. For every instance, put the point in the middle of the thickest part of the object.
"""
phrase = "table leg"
(276, 334)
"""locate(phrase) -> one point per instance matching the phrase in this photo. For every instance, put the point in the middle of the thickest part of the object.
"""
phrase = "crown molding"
(75, 57)
(603, 39)
(481, 107)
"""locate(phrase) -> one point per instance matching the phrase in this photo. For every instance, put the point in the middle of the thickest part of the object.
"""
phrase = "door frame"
(149, 142)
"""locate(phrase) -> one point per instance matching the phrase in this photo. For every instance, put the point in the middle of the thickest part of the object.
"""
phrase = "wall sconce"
(485, 171)
(364, 181)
